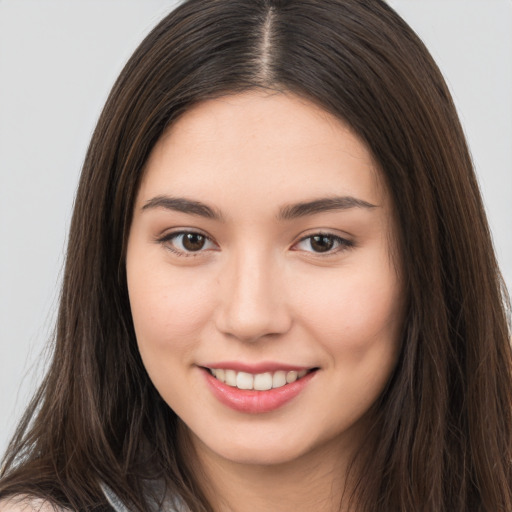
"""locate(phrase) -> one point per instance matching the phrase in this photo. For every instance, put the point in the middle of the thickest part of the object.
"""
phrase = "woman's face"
(266, 304)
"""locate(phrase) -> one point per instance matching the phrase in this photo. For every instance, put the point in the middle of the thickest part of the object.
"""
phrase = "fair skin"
(260, 246)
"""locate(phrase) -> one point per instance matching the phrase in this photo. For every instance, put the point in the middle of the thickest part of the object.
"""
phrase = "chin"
(263, 455)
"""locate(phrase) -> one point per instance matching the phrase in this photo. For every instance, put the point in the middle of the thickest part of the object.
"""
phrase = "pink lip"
(263, 367)
(255, 402)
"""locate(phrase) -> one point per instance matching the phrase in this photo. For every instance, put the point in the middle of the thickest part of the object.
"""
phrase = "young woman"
(280, 290)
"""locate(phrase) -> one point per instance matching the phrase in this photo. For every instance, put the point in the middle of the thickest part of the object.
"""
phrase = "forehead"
(271, 144)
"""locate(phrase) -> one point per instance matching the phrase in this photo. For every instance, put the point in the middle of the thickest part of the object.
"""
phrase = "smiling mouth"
(257, 382)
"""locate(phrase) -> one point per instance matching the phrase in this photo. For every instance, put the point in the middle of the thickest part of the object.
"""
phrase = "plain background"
(58, 60)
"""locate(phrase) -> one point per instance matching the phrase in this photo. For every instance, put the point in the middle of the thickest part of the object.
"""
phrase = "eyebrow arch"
(294, 211)
(181, 204)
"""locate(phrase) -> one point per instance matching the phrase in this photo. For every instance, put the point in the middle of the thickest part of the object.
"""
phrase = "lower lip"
(256, 402)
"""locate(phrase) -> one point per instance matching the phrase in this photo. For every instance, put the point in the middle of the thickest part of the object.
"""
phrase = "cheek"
(169, 309)
(354, 311)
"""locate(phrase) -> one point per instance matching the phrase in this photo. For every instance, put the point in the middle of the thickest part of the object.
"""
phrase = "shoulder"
(27, 504)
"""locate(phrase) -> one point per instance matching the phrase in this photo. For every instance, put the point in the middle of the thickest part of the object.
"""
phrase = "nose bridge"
(253, 302)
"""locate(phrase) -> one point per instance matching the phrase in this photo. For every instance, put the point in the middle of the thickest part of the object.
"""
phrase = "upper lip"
(255, 368)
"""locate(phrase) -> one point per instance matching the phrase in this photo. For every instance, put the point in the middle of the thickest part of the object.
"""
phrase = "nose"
(252, 302)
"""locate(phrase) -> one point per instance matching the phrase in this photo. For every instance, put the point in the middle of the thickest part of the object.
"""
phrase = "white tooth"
(230, 378)
(300, 374)
(220, 375)
(291, 377)
(263, 381)
(279, 379)
(244, 380)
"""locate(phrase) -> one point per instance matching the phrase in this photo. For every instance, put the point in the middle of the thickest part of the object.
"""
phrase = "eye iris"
(320, 243)
(193, 241)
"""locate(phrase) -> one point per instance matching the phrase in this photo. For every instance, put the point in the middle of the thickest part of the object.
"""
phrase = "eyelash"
(342, 244)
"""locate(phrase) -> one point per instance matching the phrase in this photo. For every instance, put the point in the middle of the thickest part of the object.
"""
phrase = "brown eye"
(187, 243)
(193, 241)
(321, 243)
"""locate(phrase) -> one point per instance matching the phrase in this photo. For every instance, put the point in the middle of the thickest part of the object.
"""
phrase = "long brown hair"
(442, 429)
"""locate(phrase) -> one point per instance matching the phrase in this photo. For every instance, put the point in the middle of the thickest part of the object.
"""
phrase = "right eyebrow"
(321, 205)
(180, 204)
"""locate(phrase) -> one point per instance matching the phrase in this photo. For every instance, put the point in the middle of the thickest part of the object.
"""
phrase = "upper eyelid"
(322, 233)
(181, 231)
(325, 232)
(345, 241)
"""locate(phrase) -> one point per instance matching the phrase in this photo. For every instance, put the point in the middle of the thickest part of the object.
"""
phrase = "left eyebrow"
(327, 204)
(184, 205)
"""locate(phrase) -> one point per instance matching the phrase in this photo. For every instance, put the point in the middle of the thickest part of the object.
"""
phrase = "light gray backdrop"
(58, 60)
